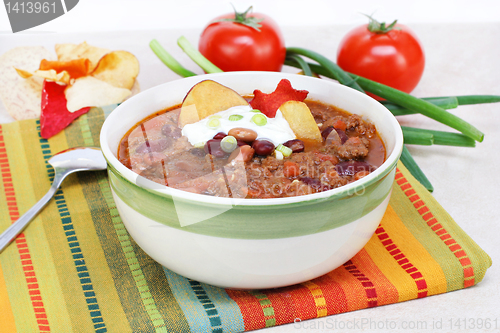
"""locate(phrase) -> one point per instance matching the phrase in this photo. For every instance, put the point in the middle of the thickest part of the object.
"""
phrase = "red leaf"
(268, 104)
(55, 115)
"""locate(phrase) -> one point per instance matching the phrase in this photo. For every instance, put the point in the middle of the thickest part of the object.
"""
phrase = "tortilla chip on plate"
(119, 68)
(22, 97)
(89, 91)
(68, 52)
(75, 68)
(51, 75)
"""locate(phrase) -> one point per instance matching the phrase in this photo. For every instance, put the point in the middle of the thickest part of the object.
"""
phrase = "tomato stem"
(241, 18)
(380, 27)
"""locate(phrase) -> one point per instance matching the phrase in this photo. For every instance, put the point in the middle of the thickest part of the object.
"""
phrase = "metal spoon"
(64, 163)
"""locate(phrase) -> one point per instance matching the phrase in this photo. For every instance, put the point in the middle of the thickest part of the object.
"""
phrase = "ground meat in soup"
(351, 149)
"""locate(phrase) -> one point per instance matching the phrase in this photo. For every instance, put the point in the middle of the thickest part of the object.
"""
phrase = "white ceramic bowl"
(250, 243)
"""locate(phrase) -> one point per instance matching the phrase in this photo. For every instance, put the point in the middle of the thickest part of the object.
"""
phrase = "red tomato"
(234, 46)
(394, 58)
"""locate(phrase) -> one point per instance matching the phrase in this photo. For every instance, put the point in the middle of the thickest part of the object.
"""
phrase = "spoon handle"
(15, 228)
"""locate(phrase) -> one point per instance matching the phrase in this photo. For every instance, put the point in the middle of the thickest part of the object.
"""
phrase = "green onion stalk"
(398, 102)
(197, 57)
(449, 102)
(168, 60)
(397, 97)
(415, 170)
(413, 135)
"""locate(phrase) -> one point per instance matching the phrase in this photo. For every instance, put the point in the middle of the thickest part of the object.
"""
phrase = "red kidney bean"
(171, 131)
(160, 145)
(342, 135)
(220, 136)
(241, 143)
(263, 147)
(197, 152)
(326, 132)
(213, 148)
(142, 148)
(295, 145)
(333, 138)
(350, 168)
(219, 153)
(315, 183)
(153, 146)
(153, 158)
(211, 145)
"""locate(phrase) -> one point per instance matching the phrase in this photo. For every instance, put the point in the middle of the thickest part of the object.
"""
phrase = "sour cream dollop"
(277, 130)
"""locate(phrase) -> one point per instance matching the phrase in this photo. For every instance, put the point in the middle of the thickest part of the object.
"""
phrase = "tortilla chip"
(50, 75)
(65, 52)
(268, 104)
(118, 68)
(207, 98)
(89, 91)
(75, 68)
(68, 52)
(189, 115)
(301, 121)
(22, 97)
(22, 73)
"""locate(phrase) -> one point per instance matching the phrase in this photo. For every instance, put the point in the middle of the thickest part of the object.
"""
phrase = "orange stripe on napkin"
(403, 261)
(21, 244)
(440, 231)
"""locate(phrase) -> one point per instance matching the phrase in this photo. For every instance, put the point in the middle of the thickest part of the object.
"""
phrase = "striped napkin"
(76, 269)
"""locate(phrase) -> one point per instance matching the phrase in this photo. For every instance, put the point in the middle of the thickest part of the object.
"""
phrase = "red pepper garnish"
(55, 115)
(268, 104)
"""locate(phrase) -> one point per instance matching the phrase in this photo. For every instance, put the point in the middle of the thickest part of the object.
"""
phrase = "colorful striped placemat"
(75, 268)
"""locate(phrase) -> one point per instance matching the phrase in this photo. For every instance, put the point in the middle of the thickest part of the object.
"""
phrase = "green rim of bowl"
(253, 222)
